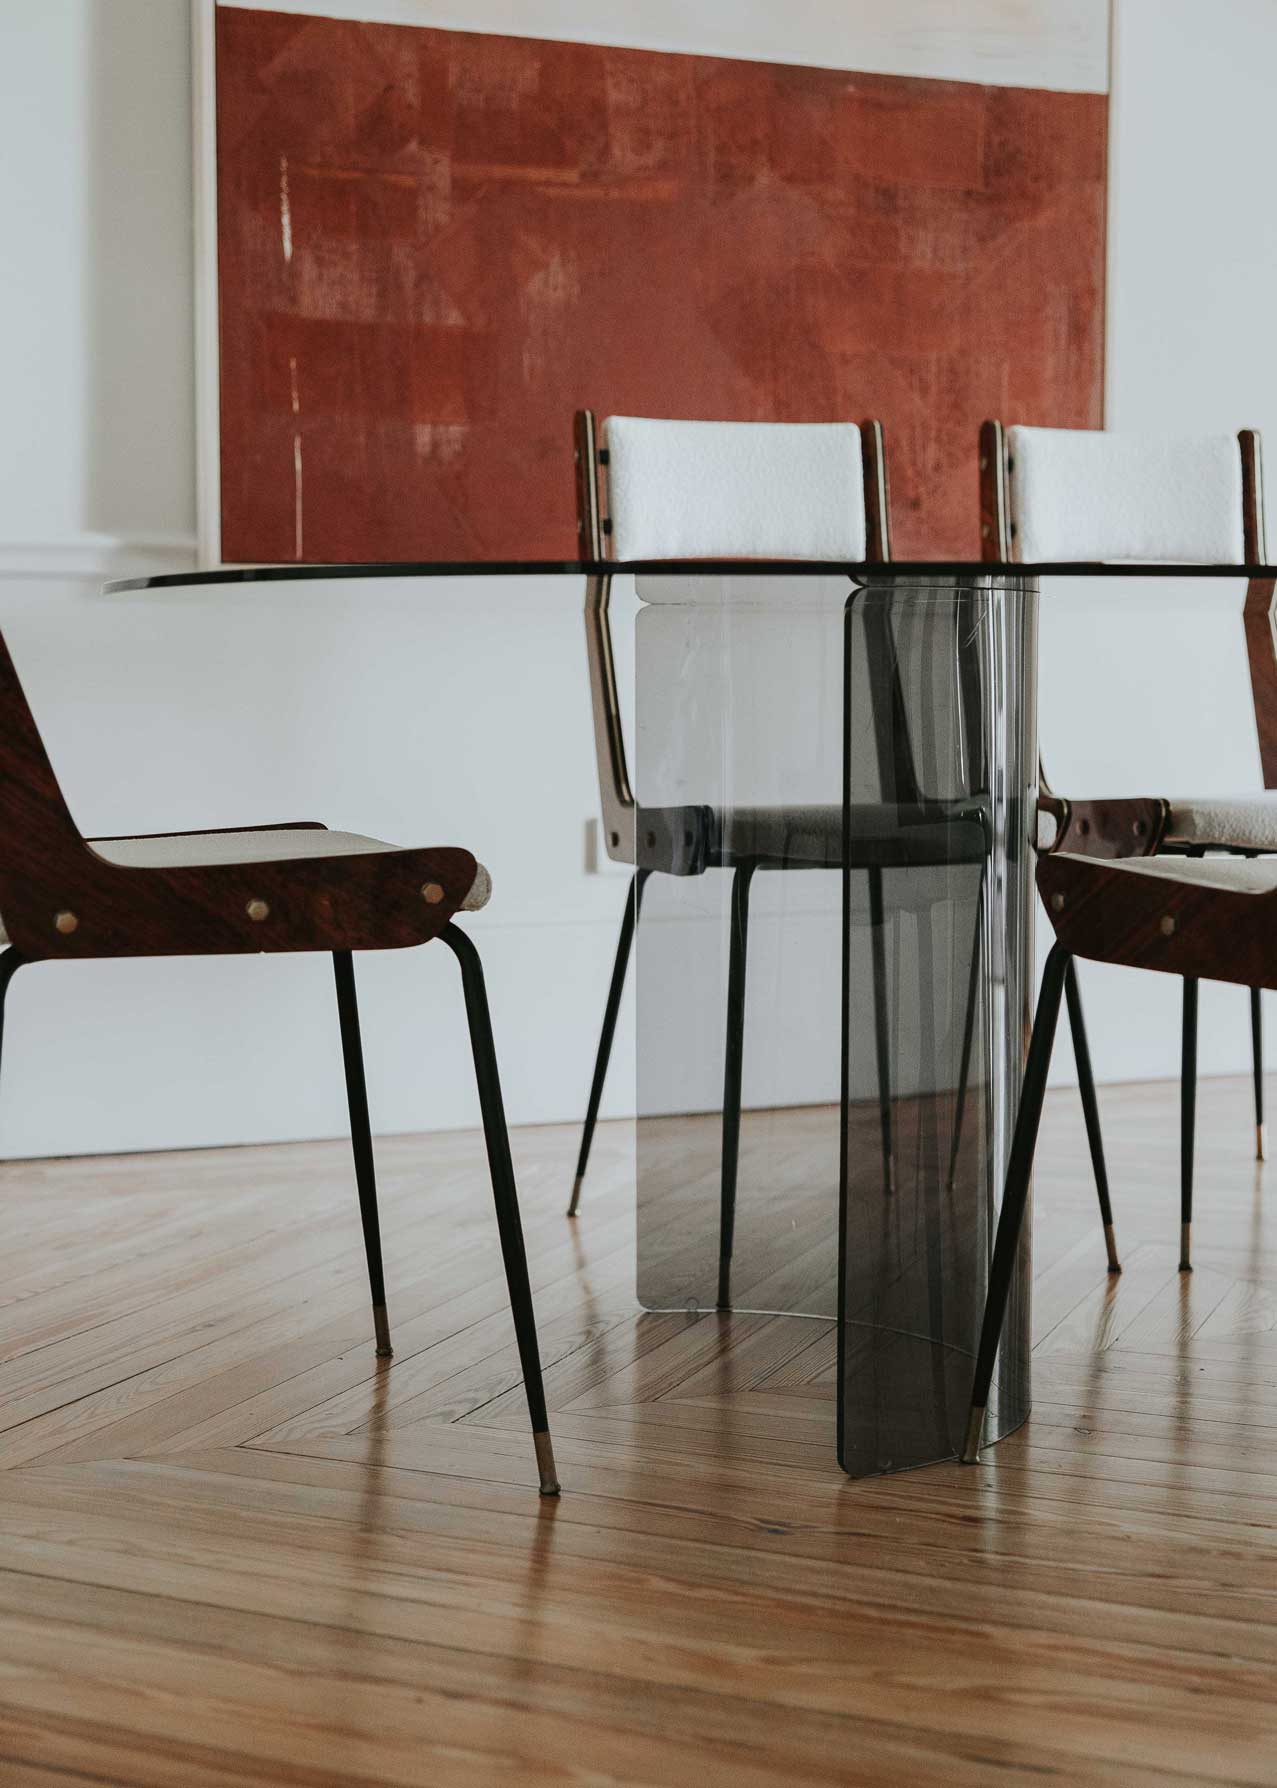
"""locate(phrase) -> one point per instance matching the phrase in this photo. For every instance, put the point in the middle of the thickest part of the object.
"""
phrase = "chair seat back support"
(1210, 920)
(745, 490)
(648, 488)
(59, 898)
(1090, 495)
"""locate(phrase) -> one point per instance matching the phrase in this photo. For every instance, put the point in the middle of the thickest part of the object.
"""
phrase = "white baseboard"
(95, 555)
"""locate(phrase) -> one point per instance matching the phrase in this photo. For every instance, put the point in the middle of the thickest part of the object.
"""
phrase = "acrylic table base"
(847, 954)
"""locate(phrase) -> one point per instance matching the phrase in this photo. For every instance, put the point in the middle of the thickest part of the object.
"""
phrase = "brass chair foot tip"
(1185, 1247)
(1110, 1243)
(545, 1464)
(384, 1353)
(575, 1199)
(1261, 1142)
(971, 1445)
(381, 1329)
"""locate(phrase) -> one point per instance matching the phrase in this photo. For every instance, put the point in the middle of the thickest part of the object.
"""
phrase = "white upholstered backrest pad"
(1088, 494)
(783, 490)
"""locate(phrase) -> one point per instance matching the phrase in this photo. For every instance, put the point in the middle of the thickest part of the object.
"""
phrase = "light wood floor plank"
(236, 1551)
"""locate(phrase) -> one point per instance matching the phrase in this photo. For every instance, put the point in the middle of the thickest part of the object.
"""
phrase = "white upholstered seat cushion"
(734, 490)
(191, 850)
(1092, 495)
(1248, 822)
(1231, 875)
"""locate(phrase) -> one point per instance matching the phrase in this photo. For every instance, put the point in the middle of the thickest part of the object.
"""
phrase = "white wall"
(95, 305)
(165, 712)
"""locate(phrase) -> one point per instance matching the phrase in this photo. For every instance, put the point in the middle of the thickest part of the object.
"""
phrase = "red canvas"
(435, 245)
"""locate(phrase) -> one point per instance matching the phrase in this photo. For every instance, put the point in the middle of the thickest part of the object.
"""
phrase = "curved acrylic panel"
(834, 969)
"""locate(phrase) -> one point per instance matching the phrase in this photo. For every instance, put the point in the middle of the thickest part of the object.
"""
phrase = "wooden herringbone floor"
(234, 1551)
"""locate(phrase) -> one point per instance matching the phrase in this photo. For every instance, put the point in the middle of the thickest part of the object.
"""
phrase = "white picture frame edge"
(208, 466)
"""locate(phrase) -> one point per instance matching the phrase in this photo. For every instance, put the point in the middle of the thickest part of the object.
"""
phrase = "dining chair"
(651, 489)
(258, 890)
(1091, 495)
(656, 489)
(1213, 919)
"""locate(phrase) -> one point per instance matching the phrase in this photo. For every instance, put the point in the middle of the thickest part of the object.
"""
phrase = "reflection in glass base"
(785, 1240)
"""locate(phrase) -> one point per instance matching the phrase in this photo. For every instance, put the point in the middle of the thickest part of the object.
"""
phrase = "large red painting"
(435, 245)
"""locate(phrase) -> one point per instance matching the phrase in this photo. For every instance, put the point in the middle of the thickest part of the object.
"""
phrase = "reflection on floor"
(234, 1551)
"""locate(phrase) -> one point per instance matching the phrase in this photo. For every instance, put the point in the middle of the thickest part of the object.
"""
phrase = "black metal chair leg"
(629, 919)
(1187, 1124)
(1257, 1059)
(1091, 1112)
(882, 1035)
(732, 1070)
(361, 1143)
(968, 1038)
(1188, 1112)
(506, 1197)
(1257, 1062)
(1016, 1194)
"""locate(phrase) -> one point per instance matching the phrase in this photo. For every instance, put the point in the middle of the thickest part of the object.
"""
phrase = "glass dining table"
(825, 778)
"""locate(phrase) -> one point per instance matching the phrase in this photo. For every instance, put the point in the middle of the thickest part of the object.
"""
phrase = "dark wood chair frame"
(1109, 912)
(1136, 827)
(684, 841)
(62, 900)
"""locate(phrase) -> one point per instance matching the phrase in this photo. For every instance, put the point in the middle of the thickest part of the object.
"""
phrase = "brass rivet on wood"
(431, 893)
(1057, 903)
(65, 922)
(257, 909)
(1167, 925)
